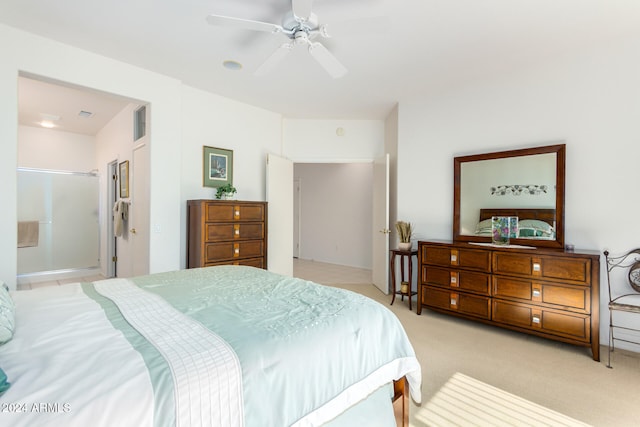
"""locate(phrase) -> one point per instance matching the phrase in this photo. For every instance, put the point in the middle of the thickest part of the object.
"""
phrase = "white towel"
(120, 215)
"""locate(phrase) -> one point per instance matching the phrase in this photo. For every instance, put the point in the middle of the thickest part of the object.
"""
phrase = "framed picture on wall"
(124, 179)
(217, 167)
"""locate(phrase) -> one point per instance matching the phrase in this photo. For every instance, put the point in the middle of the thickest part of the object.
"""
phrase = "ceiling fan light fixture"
(232, 65)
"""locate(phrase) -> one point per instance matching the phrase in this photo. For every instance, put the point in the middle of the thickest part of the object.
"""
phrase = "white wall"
(590, 100)
(317, 141)
(215, 121)
(336, 212)
(41, 148)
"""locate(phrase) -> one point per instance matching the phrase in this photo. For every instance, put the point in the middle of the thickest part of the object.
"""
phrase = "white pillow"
(544, 227)
(7, 314)
(484, 227)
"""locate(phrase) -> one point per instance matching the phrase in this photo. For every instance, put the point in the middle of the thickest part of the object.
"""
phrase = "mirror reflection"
(527, 184)
(517, 182)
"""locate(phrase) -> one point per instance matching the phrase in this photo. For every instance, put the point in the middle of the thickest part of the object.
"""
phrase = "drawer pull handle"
(535, 319)
(237, 213)
(536, 266)
(237, 231)
(237, 250)
(454, 258)
(454, 280)
(454, 301)
(536, 292)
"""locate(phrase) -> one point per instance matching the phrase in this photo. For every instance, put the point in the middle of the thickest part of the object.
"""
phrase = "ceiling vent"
(85, 114)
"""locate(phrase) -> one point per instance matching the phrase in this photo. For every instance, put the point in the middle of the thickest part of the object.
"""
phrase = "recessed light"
(232, 65)
(48, 120)
(85, 114)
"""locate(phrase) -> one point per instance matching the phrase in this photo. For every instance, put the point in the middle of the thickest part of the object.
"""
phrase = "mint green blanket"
(300, 345)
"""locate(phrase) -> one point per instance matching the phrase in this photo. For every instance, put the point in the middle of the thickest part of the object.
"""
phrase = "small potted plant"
(226, 192)
(405, 231)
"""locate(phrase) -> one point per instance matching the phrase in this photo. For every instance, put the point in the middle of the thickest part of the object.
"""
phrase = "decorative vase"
(404, 246)
(404, 287)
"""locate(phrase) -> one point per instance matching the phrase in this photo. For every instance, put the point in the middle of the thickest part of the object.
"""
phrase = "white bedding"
(307, 353)
(78, 381)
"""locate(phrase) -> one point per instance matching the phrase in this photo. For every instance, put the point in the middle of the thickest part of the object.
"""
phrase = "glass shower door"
(58, 221)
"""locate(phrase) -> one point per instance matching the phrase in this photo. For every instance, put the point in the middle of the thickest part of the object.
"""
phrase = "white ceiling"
(427, 45)
(40, 101)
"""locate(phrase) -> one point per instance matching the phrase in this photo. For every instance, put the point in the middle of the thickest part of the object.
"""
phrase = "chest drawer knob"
(536, 292)
(536, 319)
(454, 279)
(454, 257)
(536, 266)
(453, 300)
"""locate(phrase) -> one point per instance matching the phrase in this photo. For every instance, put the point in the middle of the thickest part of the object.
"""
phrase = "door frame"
(297, 224)
(111, 240)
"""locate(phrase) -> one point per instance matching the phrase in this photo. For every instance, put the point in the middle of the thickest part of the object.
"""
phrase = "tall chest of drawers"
(549, 293)
(226, 232)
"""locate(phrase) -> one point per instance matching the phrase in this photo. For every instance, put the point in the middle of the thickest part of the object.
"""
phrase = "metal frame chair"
(628, 302)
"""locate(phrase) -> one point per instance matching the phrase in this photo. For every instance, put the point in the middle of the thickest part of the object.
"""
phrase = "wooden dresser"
(226, 232)
(545, 292)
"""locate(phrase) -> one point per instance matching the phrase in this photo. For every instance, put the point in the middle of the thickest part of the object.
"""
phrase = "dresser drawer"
(472, 305)
(249, 262)
(577, 270)
(231, 250)
(463, 258)
(218, 212)
(458, 279)
(238, 231)
(554, 294)
(560, 323)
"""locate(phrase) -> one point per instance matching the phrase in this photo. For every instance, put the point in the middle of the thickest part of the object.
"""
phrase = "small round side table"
(403, 256)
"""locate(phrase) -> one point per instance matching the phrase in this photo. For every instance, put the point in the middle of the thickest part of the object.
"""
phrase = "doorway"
(335, 213)
(86, 130)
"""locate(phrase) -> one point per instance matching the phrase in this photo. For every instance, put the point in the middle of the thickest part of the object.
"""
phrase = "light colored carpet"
(558, 376)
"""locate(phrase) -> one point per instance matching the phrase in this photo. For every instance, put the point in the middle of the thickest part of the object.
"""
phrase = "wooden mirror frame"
(560, 151)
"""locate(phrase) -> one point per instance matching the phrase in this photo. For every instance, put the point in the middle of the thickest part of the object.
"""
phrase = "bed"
(225, 345)
(532, 223)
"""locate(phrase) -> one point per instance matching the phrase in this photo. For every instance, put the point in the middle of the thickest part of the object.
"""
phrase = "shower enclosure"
(58, 223)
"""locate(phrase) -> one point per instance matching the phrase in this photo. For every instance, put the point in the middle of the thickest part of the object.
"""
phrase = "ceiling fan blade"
(245, 24)
(274, 59)
(301, 9)
(329, 62)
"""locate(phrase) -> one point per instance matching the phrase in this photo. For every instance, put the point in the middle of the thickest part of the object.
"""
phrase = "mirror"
(526, 183)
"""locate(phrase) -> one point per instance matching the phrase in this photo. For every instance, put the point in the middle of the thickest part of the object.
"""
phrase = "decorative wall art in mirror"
(526, 183)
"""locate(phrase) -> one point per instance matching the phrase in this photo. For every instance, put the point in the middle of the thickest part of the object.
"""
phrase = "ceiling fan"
(300, 26)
